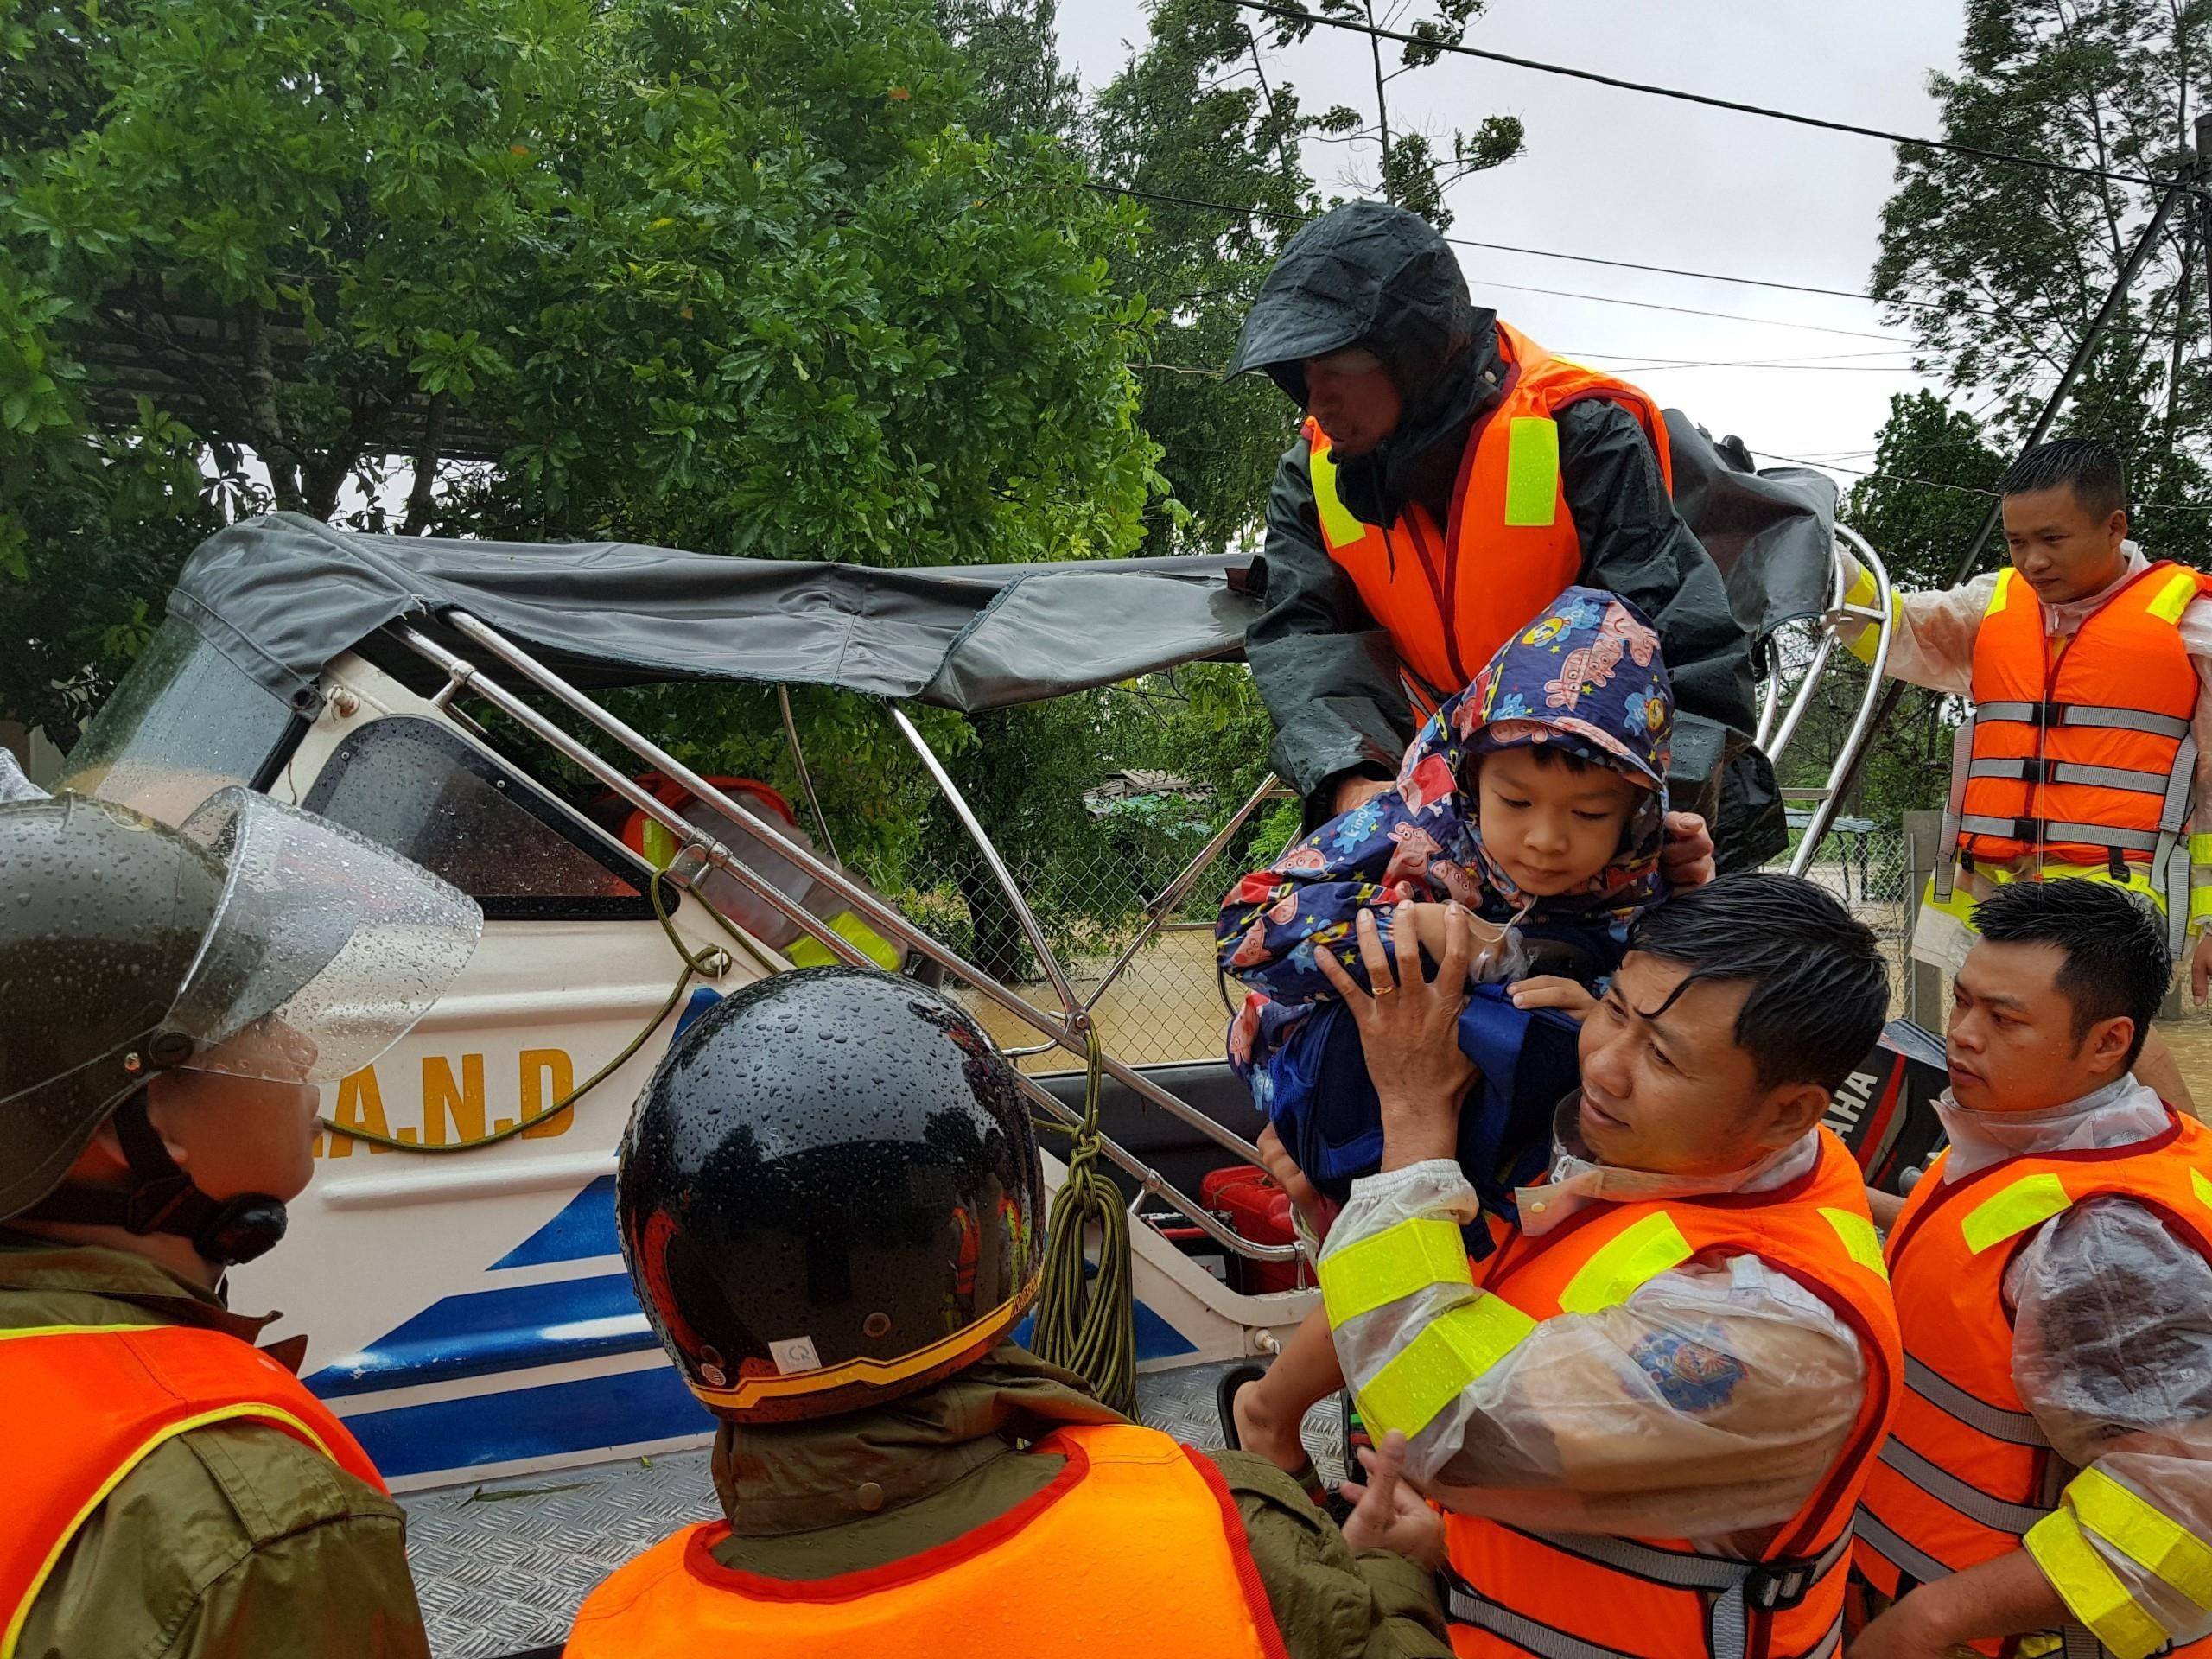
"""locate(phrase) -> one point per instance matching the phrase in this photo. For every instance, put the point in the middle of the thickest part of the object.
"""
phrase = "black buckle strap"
(1778, 1586)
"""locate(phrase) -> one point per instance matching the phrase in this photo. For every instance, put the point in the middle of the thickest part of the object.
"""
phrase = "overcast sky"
(1623, 175)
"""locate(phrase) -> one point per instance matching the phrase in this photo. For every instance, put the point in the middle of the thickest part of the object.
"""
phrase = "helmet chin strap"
(225, 1231)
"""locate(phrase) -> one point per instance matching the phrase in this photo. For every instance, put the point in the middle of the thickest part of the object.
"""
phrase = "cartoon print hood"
(1585, 677)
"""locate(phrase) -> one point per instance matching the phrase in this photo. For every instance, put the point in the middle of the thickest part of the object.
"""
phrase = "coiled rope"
(1087, 1323)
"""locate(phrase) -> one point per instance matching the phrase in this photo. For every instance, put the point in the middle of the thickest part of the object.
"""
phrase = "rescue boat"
(468, 1311)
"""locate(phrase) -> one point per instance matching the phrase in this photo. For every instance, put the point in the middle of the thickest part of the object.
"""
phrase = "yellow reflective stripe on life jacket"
(1448, 1355)
(2201, 1187)
(2026, 1203)
(2092, 1590)
(2173, 596)
(1860, 1242)
(2000, 594)
(1531, 472)
(2146, 1535)
(1339, 527)
(1395, 1263)
(1624, 1264)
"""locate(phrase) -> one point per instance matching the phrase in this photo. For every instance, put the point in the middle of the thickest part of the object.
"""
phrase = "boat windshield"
(184, 723)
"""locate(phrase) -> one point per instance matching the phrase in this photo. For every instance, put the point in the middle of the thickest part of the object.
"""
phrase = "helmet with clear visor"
(255, 940)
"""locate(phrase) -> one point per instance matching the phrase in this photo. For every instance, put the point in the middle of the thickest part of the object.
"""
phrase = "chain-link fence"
(1866, 864)
(1154, 991)
(1144, 969)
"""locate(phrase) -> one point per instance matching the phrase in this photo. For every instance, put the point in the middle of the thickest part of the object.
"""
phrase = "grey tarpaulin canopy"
(282, 595)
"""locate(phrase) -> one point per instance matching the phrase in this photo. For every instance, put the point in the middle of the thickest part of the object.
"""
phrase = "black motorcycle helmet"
(830, 1195)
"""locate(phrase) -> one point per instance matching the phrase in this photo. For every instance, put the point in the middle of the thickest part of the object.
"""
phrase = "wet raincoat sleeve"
(1636, 545)
(2112, 1353)
(1931, 643)
(1330, 1603)
(1325, 670)
(1708, 1404)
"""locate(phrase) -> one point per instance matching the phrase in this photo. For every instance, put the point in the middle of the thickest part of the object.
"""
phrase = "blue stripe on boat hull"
(561, 1418)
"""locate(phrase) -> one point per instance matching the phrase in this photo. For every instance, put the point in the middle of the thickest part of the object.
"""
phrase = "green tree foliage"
(742, 278)
(1013, 51)
(1414, 167)
(1198, 115)
(2007, 265)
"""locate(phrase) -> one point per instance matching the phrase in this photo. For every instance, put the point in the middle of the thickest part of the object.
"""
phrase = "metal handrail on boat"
(1069, 1033)
(1840, 614)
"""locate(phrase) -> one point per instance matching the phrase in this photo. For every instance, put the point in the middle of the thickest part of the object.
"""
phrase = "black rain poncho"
(1371, 275)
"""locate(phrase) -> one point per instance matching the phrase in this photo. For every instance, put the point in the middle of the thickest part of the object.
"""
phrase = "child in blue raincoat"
(1538, 799)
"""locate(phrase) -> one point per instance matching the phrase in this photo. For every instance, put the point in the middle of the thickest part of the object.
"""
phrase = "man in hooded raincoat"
(1451, 479)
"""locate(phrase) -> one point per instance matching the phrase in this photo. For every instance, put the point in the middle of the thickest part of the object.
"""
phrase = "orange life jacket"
(86, 1405)
(1967, 1471)
(1136, 1543)
(1577, 1595)
(1449, 598)
(2083, 755)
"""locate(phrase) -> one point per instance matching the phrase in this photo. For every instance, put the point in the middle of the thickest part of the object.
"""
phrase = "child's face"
(1551, 827)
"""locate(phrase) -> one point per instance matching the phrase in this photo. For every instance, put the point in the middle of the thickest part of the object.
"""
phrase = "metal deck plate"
(501, 1566)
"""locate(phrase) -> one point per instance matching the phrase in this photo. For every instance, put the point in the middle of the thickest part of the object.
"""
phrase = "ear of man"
(1790, 1110)
(2108, 1042)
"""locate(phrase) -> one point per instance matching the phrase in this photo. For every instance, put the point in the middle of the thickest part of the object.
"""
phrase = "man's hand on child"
(2200, 966)
(1305, 1198)
(1686, 856)
(1390, 1515)
(1569, 996)
(1410, 1029)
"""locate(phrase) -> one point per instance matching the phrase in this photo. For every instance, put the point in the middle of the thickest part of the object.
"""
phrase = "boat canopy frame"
(1071, 1027)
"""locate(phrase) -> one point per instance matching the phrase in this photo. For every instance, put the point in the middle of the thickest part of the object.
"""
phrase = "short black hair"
(1817, 991)
(2118, 961)
(2091, 466)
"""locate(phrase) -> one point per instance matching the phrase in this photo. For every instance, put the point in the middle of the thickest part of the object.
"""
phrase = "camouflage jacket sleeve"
(1330, 1603)
(233, 1542)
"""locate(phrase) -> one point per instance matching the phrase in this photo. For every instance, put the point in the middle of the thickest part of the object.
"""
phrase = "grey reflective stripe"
(2056, 832)
(1728, 1641)
(2136, 783)
(2066, 771)
(2092, 716)
(2017, 1427)
(1466, 1608)
(1675, 1569)
(1916, 1564)
(1969, 1501)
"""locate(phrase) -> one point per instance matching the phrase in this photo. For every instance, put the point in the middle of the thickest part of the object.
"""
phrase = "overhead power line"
(1291, 14)
(1545, 253)
(1281, 217)
(1959, 489)
(1686, 310)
